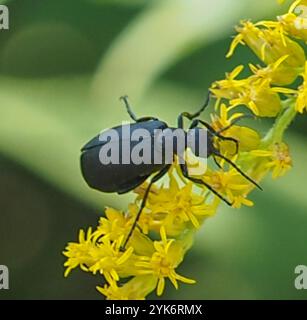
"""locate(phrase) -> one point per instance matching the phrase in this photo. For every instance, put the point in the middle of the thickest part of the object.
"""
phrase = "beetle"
(123, 177)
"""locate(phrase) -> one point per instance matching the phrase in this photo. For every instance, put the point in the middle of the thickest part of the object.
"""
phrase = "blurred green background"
(63, 66)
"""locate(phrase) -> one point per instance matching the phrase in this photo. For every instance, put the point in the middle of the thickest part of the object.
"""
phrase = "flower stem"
(275, 135)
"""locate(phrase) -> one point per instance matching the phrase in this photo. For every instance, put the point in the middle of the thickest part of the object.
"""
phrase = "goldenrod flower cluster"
(176, 209)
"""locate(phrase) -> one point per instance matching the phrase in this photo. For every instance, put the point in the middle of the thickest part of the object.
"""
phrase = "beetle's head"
(200, 141)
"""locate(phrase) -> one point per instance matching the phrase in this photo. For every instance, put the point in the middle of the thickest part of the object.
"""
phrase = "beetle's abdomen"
(113, 177)
(117, 161)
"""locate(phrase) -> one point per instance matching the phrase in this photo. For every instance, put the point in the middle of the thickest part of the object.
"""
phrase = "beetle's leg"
(215, 133)
(128, 107)
(146, 119)
(132, 114)
(196, 122)
(238, 169)
(216, 162)
(203, 107)
(180, 121)
(184, 170)
(192, 116)
(154, 179)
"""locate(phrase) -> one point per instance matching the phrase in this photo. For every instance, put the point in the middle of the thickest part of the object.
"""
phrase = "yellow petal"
(160, 287)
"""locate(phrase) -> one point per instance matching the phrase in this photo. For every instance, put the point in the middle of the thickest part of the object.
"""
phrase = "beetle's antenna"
(216, 133)
(238, 169)
(128, 107)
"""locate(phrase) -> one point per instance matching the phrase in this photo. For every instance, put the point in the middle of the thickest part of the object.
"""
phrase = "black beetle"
(123, 177)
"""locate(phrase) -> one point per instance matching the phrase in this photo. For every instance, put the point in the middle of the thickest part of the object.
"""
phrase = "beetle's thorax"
(198, 140)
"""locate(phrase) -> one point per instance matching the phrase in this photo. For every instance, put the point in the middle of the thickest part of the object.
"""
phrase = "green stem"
(275, 135)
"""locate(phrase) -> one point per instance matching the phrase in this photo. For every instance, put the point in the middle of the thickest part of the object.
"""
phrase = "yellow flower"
(231, 184)
(293, 23)
(78, 254)
(114, 224)
(256, 94)
(173, 207)
(223, 120)
(162, 264)
(260, 98)
(253, 92)
(248, 138)
(301, 101)
(135, 289)
(277, 158)
(229, 88)
(276, 73)
(114, 293)
(109, 259)
(240, 200)
(269, 45)
(95, 253)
